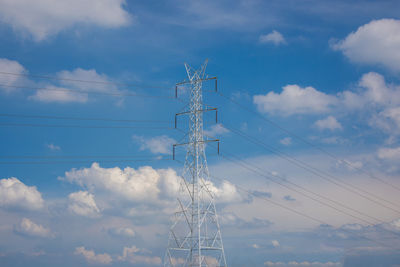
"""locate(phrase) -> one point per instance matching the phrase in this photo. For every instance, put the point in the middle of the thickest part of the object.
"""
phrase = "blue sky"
(86, 178)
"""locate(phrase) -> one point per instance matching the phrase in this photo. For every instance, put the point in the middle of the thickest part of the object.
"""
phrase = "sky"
(308, 117)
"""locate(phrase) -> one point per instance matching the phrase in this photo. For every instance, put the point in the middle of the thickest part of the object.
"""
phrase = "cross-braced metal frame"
(195, 235)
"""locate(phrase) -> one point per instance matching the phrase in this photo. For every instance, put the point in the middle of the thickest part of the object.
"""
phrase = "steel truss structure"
(195, 235)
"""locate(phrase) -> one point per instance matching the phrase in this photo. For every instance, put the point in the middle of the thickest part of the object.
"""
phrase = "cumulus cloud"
(157, 145)
(142, 185)
(93, 258)
(377, 100)
(15, 194)
(377, 42)
(43, 18)
(295, 100)
(29, 228)
(226, 193)
(10, 66)
(82, 203)
(131, 255)
(372, 90)
(216, 129)
(329, 123)
(273, 37)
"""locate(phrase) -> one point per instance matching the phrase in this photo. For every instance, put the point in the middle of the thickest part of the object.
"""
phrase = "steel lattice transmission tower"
(195, 235)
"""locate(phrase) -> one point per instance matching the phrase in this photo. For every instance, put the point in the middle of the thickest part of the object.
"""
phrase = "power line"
(82, 126)
(308, 143)
(312, 169)
(298, 212)
(78, 118)
(76, 161)
(70, 156)
(260, 172)
(83, 81)
(88, 92)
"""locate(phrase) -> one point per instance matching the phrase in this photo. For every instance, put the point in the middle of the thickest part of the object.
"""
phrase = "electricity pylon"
(195, 235)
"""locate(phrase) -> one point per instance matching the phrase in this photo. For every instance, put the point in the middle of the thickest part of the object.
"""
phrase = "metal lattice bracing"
(195, 235)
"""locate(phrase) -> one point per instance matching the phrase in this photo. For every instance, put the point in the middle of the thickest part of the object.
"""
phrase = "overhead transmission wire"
(320, 196)
(13, 124)
(259, 172)
(77, 161)
(13, 115)
(255, 169)
(307, 142)
(320, 174)
(83, 126)
(89, 92)
(323, 203)
(296, 211)
(83, 81)
(301, 213)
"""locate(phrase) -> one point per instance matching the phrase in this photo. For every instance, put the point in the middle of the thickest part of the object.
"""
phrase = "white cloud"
(295, 100)
(69, 87)
(142, 185)
(275, 243)
(68, 83)
(83, 203)
(377, 42)
(273, 37)
(29, 228)
(92, 257)
(102, 82)
(216, 129)
(122, 231)
(59, 95)
(372, 90)
(10, 66)
(42, 18)
(130, 254)
(53, 147)
(302, 264)
(226, 193)
(376, 100)
(286, 141)
(157, 145)
(392, 154)
(15, 194)
(329, 123)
